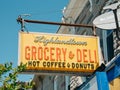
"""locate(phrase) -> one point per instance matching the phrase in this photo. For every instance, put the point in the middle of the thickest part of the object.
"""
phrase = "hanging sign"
(60, 53)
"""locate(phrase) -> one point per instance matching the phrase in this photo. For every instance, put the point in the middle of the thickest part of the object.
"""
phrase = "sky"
(44, 10)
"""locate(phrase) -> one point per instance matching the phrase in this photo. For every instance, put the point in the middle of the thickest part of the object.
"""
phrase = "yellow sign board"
(59, 52)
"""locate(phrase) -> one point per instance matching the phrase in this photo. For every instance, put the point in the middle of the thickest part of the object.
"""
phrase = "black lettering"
(33, 63)
(29, 63)
(85, 66)
(48, 64)
(92, 66)
(44, 64)
(73, 65)
(52, 63)
(81, 65)
(59, 64)
(63, 64)
(88, 66)
(77, 65)
(55, 64)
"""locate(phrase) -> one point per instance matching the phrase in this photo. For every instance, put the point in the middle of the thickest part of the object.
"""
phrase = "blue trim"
(102, 81)
(114, 72)
(117, 62)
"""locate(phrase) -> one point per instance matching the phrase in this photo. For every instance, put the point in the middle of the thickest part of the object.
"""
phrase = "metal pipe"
(54, 23)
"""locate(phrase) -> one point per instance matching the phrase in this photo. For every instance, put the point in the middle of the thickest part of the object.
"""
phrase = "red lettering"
(79, 55)
(64, 53)
(33, 51)
(27, 52)
(40, 53)
(84, 55)
(95, 56)
(91, 61)
(58, 54)
(45, 53)
(52, 54)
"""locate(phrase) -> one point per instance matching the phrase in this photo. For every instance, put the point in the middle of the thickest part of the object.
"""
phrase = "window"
(110, 49)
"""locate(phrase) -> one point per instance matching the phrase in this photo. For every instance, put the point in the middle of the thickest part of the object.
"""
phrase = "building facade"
(84, 12)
